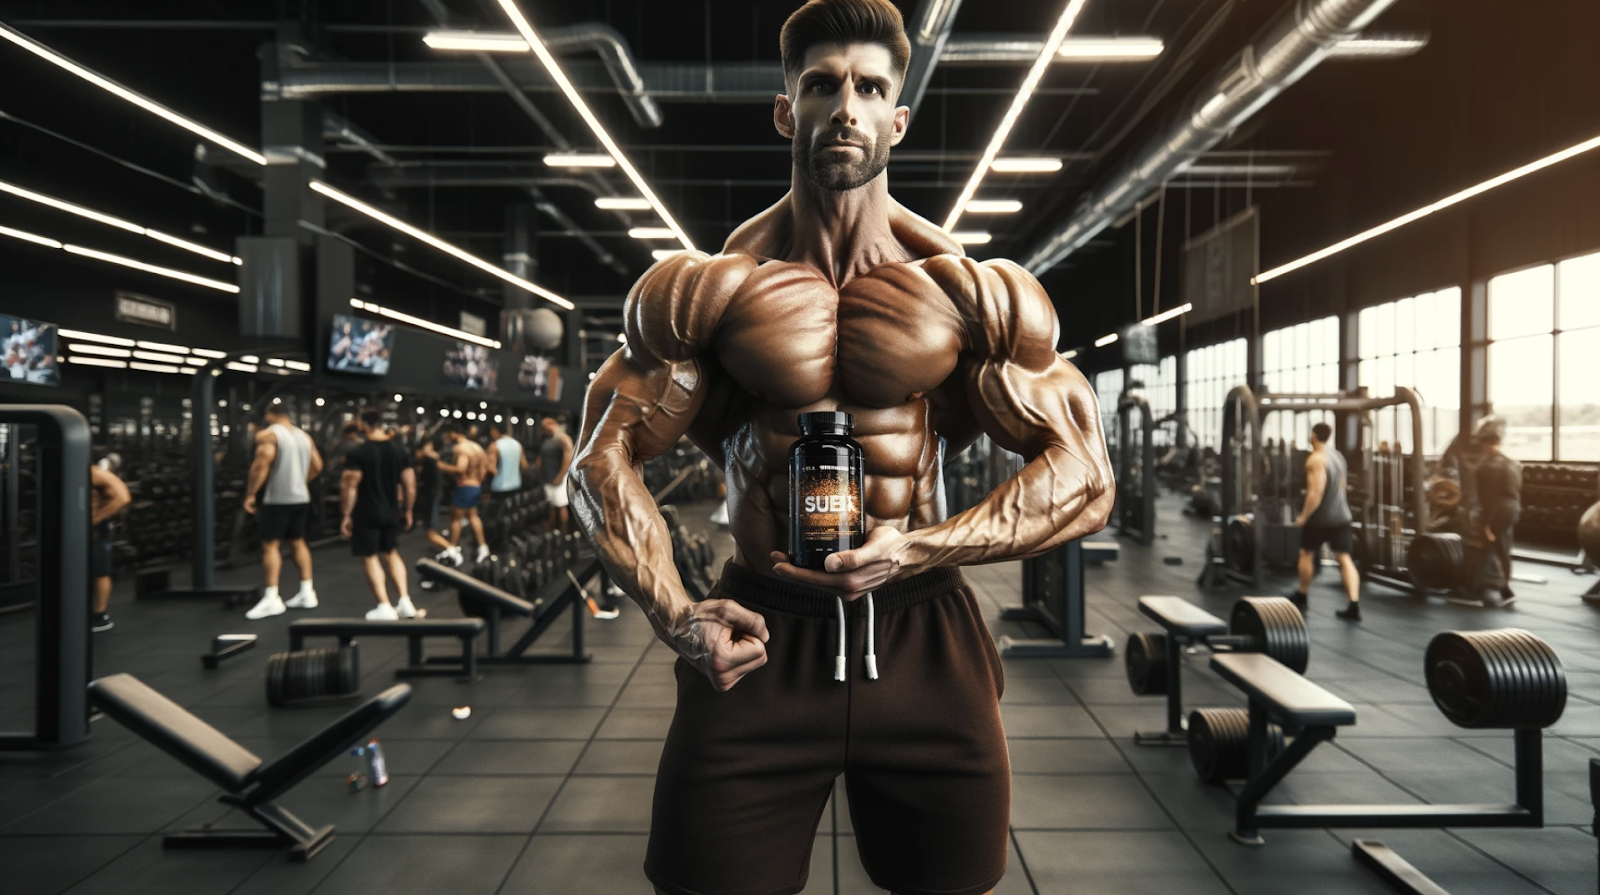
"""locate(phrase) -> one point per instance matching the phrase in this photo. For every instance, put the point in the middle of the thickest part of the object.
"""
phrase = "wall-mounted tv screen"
(538, 376)
(471, 368)
(360, 346)
(28, 350)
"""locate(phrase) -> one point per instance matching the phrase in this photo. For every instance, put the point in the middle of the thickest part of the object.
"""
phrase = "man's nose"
(844, 113)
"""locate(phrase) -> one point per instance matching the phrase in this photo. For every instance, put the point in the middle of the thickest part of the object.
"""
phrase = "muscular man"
(467, 464)
(555, 456)
(836, 298)
(108, 497)
(1325, 519)
(376, 492)
(285, 462)
(507, 462)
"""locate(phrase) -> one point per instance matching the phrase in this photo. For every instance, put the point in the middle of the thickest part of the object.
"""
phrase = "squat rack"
(1135, 510)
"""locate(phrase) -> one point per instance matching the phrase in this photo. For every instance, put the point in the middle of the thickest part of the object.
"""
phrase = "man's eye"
(820, 87)
(871, 87)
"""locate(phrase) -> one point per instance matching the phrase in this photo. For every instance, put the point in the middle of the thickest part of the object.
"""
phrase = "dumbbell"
(1270, 625)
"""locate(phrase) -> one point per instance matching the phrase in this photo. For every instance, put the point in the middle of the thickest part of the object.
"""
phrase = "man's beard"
(839, 175)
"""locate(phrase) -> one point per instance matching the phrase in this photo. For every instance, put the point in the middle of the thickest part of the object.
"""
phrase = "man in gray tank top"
(1326, 520)
(285, 462)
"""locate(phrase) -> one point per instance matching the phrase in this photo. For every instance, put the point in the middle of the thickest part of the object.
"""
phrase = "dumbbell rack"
(1554, 496)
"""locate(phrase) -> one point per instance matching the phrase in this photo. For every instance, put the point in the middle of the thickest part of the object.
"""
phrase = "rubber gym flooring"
(546, 787)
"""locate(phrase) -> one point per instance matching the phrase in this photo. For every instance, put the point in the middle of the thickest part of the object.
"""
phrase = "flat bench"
(249, 783)
(559, 593)
(466, 630)
(1097, 552)
(1185, 624)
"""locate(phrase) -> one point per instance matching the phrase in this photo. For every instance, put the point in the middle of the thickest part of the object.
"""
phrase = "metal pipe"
(338, 127)
(617, 58)
(930, 30)
(1293, 44)
(1023, 49)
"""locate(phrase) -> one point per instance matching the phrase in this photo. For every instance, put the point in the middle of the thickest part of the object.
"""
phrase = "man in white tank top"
(285, 462)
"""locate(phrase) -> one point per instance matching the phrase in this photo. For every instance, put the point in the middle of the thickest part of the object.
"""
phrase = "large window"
(1160, 387)
(1108, 389)
(1415, 342)
(1300, 359)
(1212, 372)
(1544, 359)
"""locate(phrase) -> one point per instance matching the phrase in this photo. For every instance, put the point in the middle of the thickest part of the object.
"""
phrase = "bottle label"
(829, 503)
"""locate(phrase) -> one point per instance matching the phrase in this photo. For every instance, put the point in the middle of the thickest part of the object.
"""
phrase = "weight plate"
(1145, 661)
(1273, 626)
(1500, 679)
(1436, 560)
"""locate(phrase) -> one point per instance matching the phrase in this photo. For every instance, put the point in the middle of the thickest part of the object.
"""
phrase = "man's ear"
(783, 116)
(902, 117)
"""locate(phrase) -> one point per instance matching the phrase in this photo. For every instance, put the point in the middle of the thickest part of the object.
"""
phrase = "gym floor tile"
(1364, 787)
(544, 723)
(1078, 802)
(1037, 691)
(459, 865)
(562, 864)
(510, 758)
(1194, 804)
(1562, 859)
(1065, 756)
(1401, 756)
(636, 724)
(472, 805)
(621, 757)
(1456, 866)
(641, 696)
(1047, 721)
(319, 801)
(586, 693)
(150, 868)
(281, 876)
(1318, 864)
(1129, 863)
(853, 878)
(53, 863)
(602, 805)
(116, 805)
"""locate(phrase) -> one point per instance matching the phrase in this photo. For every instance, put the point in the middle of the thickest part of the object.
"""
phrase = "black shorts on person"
(375, 540)
(1339, 537)
(746, 773)
(100, 555)
(277, 521)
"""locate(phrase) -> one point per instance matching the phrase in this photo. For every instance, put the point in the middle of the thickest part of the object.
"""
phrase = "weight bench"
(1100, 552)
(549, 601)
(1185, 624)
(466, 630)
(251, 784)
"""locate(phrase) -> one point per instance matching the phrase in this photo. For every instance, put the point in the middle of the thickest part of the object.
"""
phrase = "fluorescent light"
(98, 362)
(109, 220)
(651, 233)
(159, 357)
(25, 236)
(994, 206)
(622, 203)
(1424, 211)
(434, 241)
(163, 346)
(195, 361)
(207, 352)
(95, 337)
(152, 268)
(1110, 49)
(1105, 340)
(195, 247)
(1069, 354)
(191, 371)
(300, 365)
(274, 362)
(1164, 316)
(971, 237)
(1051, 45)
(573, 96)
(242, 368)
(76, 348)
(664, 254)
(250, 359)
(475, 41)
(1376, 47)
(579, 160)
(424, 324)
(149, 105)
(1021, 165)
(153, 368)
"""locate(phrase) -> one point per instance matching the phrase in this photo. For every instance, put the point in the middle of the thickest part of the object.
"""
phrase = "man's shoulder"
(674, 308)
(1003, 305)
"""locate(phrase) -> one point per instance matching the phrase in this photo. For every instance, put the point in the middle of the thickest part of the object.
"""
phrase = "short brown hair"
(844, 22)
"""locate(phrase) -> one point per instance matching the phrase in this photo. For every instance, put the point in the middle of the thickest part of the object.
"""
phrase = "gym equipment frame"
(1135, 510)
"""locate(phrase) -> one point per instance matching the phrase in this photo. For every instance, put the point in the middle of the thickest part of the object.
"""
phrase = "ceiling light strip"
(109, 220)
(96, 337)
(143, 102)
(1446, 202)
(1052, 46)
(560, 77)
(77, 348)
(1164, 316)
(1105, 340)
(98, 362)
(153, 268)
(476, 41)
(461, 255)
(423, 324)
(34, 238)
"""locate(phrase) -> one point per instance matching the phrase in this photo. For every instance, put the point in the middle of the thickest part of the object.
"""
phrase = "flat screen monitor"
(28, 350)
(471, 368)
(360, 346)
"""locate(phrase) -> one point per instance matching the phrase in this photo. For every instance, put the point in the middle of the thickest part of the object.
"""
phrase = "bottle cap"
(820, 422)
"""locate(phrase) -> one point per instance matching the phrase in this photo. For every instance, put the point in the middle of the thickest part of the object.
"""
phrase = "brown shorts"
(746, 773)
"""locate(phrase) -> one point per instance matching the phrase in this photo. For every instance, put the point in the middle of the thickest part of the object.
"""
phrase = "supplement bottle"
(825, 487)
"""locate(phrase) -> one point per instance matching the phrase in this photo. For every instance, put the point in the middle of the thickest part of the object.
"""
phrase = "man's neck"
(843, 234)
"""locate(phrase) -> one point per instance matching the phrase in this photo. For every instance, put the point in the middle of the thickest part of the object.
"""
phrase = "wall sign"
(131, 307)
(472, 323)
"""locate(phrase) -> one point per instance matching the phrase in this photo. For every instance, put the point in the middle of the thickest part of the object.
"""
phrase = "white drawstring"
(838, 665)
(872, 658)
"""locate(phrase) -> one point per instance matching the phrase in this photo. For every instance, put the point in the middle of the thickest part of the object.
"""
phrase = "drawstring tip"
(838, 668)
(872, 668)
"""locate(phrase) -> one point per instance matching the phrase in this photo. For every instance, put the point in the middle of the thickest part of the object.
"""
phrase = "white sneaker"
(306, 599)
(450, 556)
(405, 610)
(383, 612)
(268, 607)
(483, 552)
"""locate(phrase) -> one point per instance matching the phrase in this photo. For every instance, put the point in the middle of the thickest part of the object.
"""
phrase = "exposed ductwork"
(616, 57)
(721, 81)
(1293, 44)
(445, 176)
(1022, 49)
(930, 29)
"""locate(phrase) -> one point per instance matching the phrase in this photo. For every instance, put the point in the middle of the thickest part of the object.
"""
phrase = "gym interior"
(284, 279)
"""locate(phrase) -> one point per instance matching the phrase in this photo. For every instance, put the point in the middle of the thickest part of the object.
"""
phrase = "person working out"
(467, 464)
(555, 457)
(108, 496)
(1326, 520)
(507, 463)
(837, 299)
(376, 492)
(286, 461)
(1499, 491)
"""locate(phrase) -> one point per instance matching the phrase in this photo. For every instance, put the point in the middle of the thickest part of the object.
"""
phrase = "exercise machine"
(1135, 510)
(1053, 596)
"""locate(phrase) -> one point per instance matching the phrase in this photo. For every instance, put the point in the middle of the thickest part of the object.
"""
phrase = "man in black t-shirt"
(376, 491)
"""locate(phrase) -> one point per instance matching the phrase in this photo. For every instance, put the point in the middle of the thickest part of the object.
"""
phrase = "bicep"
(351, 478)
(1316, 478)
(640, 406)
(1029, 411)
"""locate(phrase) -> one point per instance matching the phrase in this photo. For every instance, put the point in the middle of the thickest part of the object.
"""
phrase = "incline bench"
(1185, 624)
(414, 630)
(557, 595)
(251, 784)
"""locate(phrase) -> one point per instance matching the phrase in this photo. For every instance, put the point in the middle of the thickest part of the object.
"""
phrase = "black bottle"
(825, 485)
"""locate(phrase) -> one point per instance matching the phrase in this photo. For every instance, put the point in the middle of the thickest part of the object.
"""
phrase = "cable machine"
(1135, 510)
